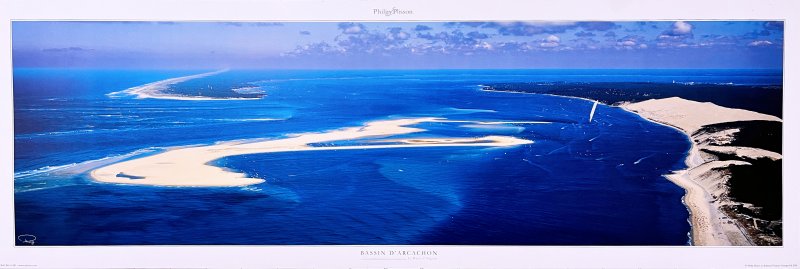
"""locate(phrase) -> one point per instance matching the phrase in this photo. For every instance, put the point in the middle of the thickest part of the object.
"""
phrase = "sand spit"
(190, 166)
(156, 89)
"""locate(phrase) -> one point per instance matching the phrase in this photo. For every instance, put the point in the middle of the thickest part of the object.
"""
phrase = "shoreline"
(696, 199)
(191, 166)
(709, 225)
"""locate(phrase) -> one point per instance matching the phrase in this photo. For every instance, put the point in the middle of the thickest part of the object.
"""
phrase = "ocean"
(579, 183)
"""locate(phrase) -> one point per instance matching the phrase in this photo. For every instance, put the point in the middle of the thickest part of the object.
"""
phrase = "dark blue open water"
(580, 183)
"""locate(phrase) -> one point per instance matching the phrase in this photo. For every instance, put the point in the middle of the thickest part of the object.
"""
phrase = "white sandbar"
(190, 166)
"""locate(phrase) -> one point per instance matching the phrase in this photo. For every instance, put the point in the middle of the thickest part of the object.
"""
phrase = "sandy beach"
(190, 166)
(703, 184)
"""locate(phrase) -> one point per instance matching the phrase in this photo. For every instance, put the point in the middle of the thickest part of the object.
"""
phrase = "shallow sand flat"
(189, 166)
(710, 227)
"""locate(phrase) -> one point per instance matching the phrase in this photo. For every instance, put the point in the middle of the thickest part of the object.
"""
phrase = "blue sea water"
(579, 183)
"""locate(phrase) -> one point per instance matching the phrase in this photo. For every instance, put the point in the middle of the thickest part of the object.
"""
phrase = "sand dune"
(190, 166)
(690, 116)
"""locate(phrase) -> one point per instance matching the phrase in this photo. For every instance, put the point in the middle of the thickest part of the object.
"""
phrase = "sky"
(398, 45)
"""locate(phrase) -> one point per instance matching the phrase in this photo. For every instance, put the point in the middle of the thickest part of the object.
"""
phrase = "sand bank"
(190, 166)
(156, 89)
(702, 182)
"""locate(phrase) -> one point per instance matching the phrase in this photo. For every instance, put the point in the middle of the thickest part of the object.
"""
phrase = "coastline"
(709, 225)
(190, 166)
(716, 218)
(699, 203)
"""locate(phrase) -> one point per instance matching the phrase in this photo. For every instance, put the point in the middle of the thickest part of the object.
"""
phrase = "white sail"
(591, 114)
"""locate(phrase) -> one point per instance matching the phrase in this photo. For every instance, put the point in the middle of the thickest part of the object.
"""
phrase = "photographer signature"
(27, 239)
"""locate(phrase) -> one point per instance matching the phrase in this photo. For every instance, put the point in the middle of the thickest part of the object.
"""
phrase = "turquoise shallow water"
(580, 183)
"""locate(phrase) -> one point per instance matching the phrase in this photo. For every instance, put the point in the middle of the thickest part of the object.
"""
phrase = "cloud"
(680, 30)
(529, 29)
(421, 27)
(550, 41)
(305, 33)
(320, 48)
(631, 42)
(487, 38)
(535, 28)
(721, 40)
(760, 43)
(454, 40)
(677, 36)
(477, 35)
(351, 28)
(514, 47)
(397, 33)
(355, 38)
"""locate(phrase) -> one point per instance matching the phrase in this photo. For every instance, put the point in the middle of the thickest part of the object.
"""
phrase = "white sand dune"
(690, 116)
(190, 166)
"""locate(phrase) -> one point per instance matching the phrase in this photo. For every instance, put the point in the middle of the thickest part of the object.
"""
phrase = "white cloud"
(484, 45)
(681, 28)
(354, 29)
(550, 41)
(760, 43)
